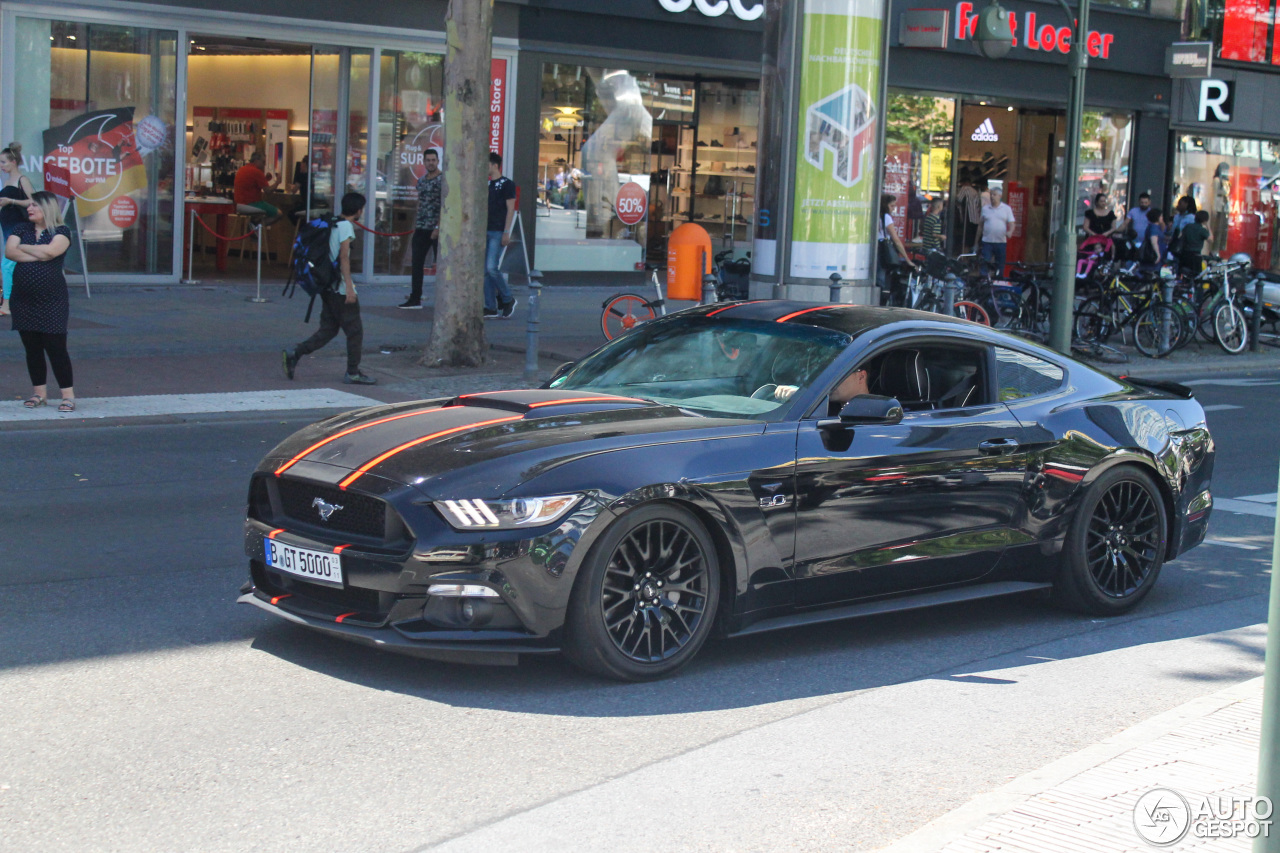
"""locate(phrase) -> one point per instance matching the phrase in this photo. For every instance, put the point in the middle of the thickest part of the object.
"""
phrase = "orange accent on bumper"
(341, 548)
(272, 534)
(295, 460)
(345, 615)
(280, 598)
(363, 469)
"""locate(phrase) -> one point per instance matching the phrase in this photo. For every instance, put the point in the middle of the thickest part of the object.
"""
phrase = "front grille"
(321, 598)
(360, 514)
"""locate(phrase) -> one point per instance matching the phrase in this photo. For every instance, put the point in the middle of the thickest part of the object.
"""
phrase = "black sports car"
(732, 469)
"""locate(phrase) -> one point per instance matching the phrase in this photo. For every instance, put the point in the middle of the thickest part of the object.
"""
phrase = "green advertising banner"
(835, 178)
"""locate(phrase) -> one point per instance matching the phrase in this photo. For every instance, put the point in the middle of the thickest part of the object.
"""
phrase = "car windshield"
(717, 367)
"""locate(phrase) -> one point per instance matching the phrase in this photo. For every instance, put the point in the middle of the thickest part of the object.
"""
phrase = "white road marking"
(1221, 407)
(1225, 544)
(1268, 498)
(1244, 507)
(189, 404)
(1233, 383)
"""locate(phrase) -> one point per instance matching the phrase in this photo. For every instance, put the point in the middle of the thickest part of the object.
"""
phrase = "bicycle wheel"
(1090, 325)
(1230, 328)
(1204, 319)
(966, 310)
(1187, 316)
(1156, 330)
(623, 312)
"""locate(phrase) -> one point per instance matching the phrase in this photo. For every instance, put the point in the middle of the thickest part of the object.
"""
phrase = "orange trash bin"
(688, 260)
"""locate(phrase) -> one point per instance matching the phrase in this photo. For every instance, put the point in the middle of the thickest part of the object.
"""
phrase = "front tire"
(645, 599)
(1115, 546)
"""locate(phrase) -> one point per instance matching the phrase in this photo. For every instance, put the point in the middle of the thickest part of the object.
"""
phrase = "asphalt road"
(141, 710)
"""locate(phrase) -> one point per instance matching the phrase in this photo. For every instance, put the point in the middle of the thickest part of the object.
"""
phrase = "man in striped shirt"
(931, 237)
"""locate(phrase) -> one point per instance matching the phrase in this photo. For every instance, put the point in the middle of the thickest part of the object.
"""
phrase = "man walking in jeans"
(426, 226)
(498, 301)
(339, 308)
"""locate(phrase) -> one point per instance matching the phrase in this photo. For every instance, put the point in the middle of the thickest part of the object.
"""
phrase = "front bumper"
(495, 654)
(384, 601)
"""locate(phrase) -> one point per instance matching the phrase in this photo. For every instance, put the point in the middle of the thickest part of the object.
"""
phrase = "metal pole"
(1269, 745)
(191, 251)
(1064, 261)
(835, 287)
(531, 327)
(949, 287)
(708, 281)
(1256, 332)
(258, 299)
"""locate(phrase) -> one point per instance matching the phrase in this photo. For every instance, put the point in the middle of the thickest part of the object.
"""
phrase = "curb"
(953, 826)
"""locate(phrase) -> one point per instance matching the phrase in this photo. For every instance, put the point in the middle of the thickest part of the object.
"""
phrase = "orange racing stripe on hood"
(365, 468)
(319, 444)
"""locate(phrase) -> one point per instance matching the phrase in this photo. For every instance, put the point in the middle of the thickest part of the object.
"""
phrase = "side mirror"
(864, 410)
(561, 371)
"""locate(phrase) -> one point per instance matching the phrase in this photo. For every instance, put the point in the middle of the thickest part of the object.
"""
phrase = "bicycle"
(622, 312)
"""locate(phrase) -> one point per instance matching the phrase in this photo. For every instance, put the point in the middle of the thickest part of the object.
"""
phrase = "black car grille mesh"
(360, 514)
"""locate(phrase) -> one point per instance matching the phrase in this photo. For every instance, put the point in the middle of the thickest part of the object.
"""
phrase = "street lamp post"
(1064, 259)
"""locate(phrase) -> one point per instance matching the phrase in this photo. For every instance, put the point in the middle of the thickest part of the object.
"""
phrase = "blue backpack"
(310, 266)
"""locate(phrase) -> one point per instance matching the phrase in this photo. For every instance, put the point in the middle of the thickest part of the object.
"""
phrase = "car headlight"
(505, 515)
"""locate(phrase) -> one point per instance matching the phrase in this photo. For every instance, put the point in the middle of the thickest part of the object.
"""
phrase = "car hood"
(483, 445)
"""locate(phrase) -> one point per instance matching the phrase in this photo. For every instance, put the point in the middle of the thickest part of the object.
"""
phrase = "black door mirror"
(863, 410)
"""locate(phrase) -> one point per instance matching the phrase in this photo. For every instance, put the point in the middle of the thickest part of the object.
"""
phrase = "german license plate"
(316, 566)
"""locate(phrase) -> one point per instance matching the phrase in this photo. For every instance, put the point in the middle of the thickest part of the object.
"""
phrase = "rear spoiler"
(1159, 385)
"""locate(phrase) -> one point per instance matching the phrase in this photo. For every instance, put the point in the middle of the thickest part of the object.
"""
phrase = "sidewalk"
(181, 340)
(1087, 801)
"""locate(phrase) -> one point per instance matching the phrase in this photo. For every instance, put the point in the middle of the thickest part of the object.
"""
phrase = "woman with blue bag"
(16, 190)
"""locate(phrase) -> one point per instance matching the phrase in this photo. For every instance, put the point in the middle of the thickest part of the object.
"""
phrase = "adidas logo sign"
(985, 132)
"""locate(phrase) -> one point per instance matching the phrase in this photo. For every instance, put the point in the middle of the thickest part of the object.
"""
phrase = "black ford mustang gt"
(706, 473)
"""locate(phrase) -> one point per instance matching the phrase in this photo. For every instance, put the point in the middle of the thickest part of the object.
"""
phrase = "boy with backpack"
(337, 294)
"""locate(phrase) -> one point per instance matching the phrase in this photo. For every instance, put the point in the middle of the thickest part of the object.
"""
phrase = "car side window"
(1019, 375)
(930, 377)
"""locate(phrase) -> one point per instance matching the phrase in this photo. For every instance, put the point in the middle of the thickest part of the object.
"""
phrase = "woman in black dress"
(1101, 220)
(15, 191)
(40, 302)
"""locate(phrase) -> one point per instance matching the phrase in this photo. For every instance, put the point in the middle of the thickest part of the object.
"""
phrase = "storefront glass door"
(101, 100)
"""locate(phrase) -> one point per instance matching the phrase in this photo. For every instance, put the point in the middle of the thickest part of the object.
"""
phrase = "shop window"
(122, 179)
(1106, 142)
(1235, 180)
(917, 166)
(596, 131)
(410, 123)
(1238, 28)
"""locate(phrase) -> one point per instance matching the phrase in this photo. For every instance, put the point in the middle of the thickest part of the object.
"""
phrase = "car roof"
(852, 320)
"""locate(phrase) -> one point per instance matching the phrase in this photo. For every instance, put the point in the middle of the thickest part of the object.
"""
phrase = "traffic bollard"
(191, 250)
(949, 288)
(835, 287)
(1256, 331)
(531, 327)
(258, 298)
(708, 289)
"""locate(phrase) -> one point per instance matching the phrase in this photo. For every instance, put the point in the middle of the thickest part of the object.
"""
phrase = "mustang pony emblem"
(326, 509)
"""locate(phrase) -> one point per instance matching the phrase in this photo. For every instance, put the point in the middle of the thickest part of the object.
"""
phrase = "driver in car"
(853, 385)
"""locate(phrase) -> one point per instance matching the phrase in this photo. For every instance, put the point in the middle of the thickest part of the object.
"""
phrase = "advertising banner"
(897, 183)
(93, 159)
(840, 66)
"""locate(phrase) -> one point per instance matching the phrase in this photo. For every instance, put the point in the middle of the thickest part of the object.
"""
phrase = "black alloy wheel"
(1116, 544)
(646, 597)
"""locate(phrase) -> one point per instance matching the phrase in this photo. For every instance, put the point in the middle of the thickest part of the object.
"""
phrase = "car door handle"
(998, 446)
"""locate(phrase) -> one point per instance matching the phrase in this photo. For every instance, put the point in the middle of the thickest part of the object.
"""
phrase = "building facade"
(619, 121)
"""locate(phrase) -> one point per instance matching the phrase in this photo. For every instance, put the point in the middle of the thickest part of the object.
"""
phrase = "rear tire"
(1115, 545)
(645, 599)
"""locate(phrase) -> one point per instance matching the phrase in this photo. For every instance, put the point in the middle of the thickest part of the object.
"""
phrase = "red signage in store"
(1016, 196)
(123, 212)
(897, 178)
(93, 158)
(632, 204)
(1037, 35)
(497, 104)
(1244, 30)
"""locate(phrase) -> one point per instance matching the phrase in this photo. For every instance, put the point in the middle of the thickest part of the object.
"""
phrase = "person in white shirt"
(993, 233)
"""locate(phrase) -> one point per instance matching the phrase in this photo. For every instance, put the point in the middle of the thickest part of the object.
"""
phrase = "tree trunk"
(457, 329)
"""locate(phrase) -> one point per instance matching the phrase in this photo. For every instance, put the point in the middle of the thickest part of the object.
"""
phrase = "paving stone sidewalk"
(1085, 803)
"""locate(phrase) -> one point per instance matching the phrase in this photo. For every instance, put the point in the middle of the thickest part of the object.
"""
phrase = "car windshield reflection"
(713, 366)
